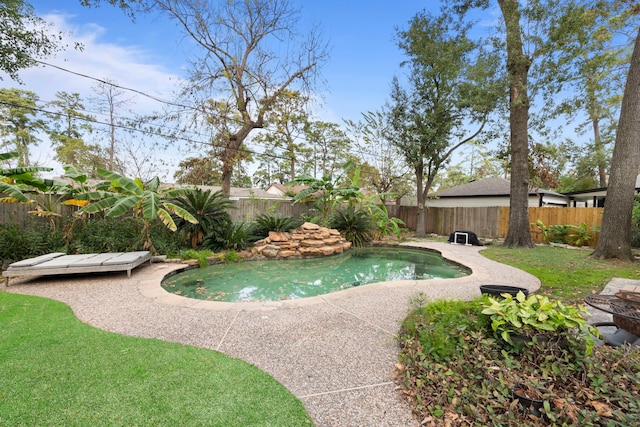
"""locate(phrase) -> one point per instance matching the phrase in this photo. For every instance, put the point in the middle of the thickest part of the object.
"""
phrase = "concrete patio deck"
(335, 352)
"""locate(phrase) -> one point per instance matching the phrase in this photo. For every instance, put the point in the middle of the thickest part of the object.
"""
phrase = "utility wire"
(131, 129)
(175, 104)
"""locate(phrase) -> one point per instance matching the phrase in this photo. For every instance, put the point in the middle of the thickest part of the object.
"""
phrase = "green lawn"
(58, 371)
(566, 274)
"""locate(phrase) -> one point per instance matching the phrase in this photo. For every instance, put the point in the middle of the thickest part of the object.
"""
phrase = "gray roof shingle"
(486, 187)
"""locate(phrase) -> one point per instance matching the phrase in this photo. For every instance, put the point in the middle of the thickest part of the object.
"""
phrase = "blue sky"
(150, 54)
(363, 60)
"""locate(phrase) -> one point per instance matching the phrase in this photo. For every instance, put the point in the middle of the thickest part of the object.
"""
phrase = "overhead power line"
(180, 105)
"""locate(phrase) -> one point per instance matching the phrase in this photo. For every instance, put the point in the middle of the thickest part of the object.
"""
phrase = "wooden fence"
(486, 222)
(245, 210)
(493, 222)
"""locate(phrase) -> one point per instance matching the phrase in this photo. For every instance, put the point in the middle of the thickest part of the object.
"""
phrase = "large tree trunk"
(420, 229)
(231, 154)
(615, 238)
(518, 65)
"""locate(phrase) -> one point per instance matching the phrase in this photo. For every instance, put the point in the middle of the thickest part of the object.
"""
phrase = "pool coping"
(481, 273)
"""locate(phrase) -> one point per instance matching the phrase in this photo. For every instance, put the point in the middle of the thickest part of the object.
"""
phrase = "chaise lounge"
(60, 263)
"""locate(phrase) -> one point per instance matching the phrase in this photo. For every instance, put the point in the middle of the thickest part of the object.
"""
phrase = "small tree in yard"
(453, 85)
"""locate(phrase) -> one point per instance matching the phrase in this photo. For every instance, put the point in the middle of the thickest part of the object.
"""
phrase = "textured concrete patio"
(335, 352)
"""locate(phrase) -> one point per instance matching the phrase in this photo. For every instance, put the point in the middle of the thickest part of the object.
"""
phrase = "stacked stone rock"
(310, 240)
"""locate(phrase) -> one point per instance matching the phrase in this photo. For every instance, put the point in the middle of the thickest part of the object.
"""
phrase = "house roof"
(595, 192)
(286, 188)
(488, 187)
(235, 192)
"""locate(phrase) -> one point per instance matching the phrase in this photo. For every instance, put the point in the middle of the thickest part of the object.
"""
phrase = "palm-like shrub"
(264, 223)
(209, 208)
(355, 225)
(228, 235)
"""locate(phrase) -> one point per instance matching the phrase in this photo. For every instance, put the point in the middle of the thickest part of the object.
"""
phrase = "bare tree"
(111, 100)
(250, 51)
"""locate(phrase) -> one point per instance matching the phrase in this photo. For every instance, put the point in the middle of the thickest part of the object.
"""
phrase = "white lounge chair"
(60, 263)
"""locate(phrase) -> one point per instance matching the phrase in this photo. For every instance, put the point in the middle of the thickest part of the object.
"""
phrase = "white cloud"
(129, 66)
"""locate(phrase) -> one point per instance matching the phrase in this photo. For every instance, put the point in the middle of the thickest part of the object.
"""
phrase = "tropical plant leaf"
(13, 192)
(9, 155)
(167, 220)
(153, 185)
(182, 213)
(100, 205)
(123, 205)
(95, 195)
(74, 174)
(119, 181)
(76, 202)
(150, 206)
(23, 171)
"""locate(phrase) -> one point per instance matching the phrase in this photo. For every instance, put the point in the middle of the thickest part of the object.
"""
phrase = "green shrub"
(385, 225)
(456, 372)
(34, 239)
(202, 256)
(264, 223)
(209, 208)
(355, 225)
(537, 315)
(164, 240)
(236, 236)
(560, 233)
(105, 234)
(542, 229)
(232, 256)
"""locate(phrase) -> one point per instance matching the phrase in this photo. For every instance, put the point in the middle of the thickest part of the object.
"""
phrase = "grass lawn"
(566, 274)
(59, 371)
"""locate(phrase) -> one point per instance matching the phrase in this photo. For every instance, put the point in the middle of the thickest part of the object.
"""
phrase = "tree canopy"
(453, 86)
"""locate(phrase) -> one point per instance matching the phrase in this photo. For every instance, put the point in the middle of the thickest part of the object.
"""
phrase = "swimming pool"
(300, 278)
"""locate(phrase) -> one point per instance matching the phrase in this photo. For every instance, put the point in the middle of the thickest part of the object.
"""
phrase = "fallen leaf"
(602, 409)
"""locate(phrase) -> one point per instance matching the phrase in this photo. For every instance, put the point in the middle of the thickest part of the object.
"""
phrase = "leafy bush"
(581, 234)
(384, 225)
(543, 229)
(535, 315)
(209, 208)
(455, 372)
(355, 225)
(264, 223)
(21, 242)
(105, 234)
(560, 233)
(201, 256)
(164, 240)
(236, 236)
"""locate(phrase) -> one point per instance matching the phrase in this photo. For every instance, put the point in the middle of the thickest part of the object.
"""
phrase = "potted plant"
(522, 319)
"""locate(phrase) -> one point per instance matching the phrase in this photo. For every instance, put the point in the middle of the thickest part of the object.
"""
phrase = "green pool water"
(300, 278)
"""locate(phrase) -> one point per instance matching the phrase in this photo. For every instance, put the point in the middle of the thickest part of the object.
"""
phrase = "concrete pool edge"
(483, 271)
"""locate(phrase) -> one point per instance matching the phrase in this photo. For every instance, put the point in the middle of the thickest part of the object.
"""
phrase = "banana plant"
(147, 201)
(14, 182)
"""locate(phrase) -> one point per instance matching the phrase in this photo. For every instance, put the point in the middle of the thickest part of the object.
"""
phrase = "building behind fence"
(486, 222)
(493, 222)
